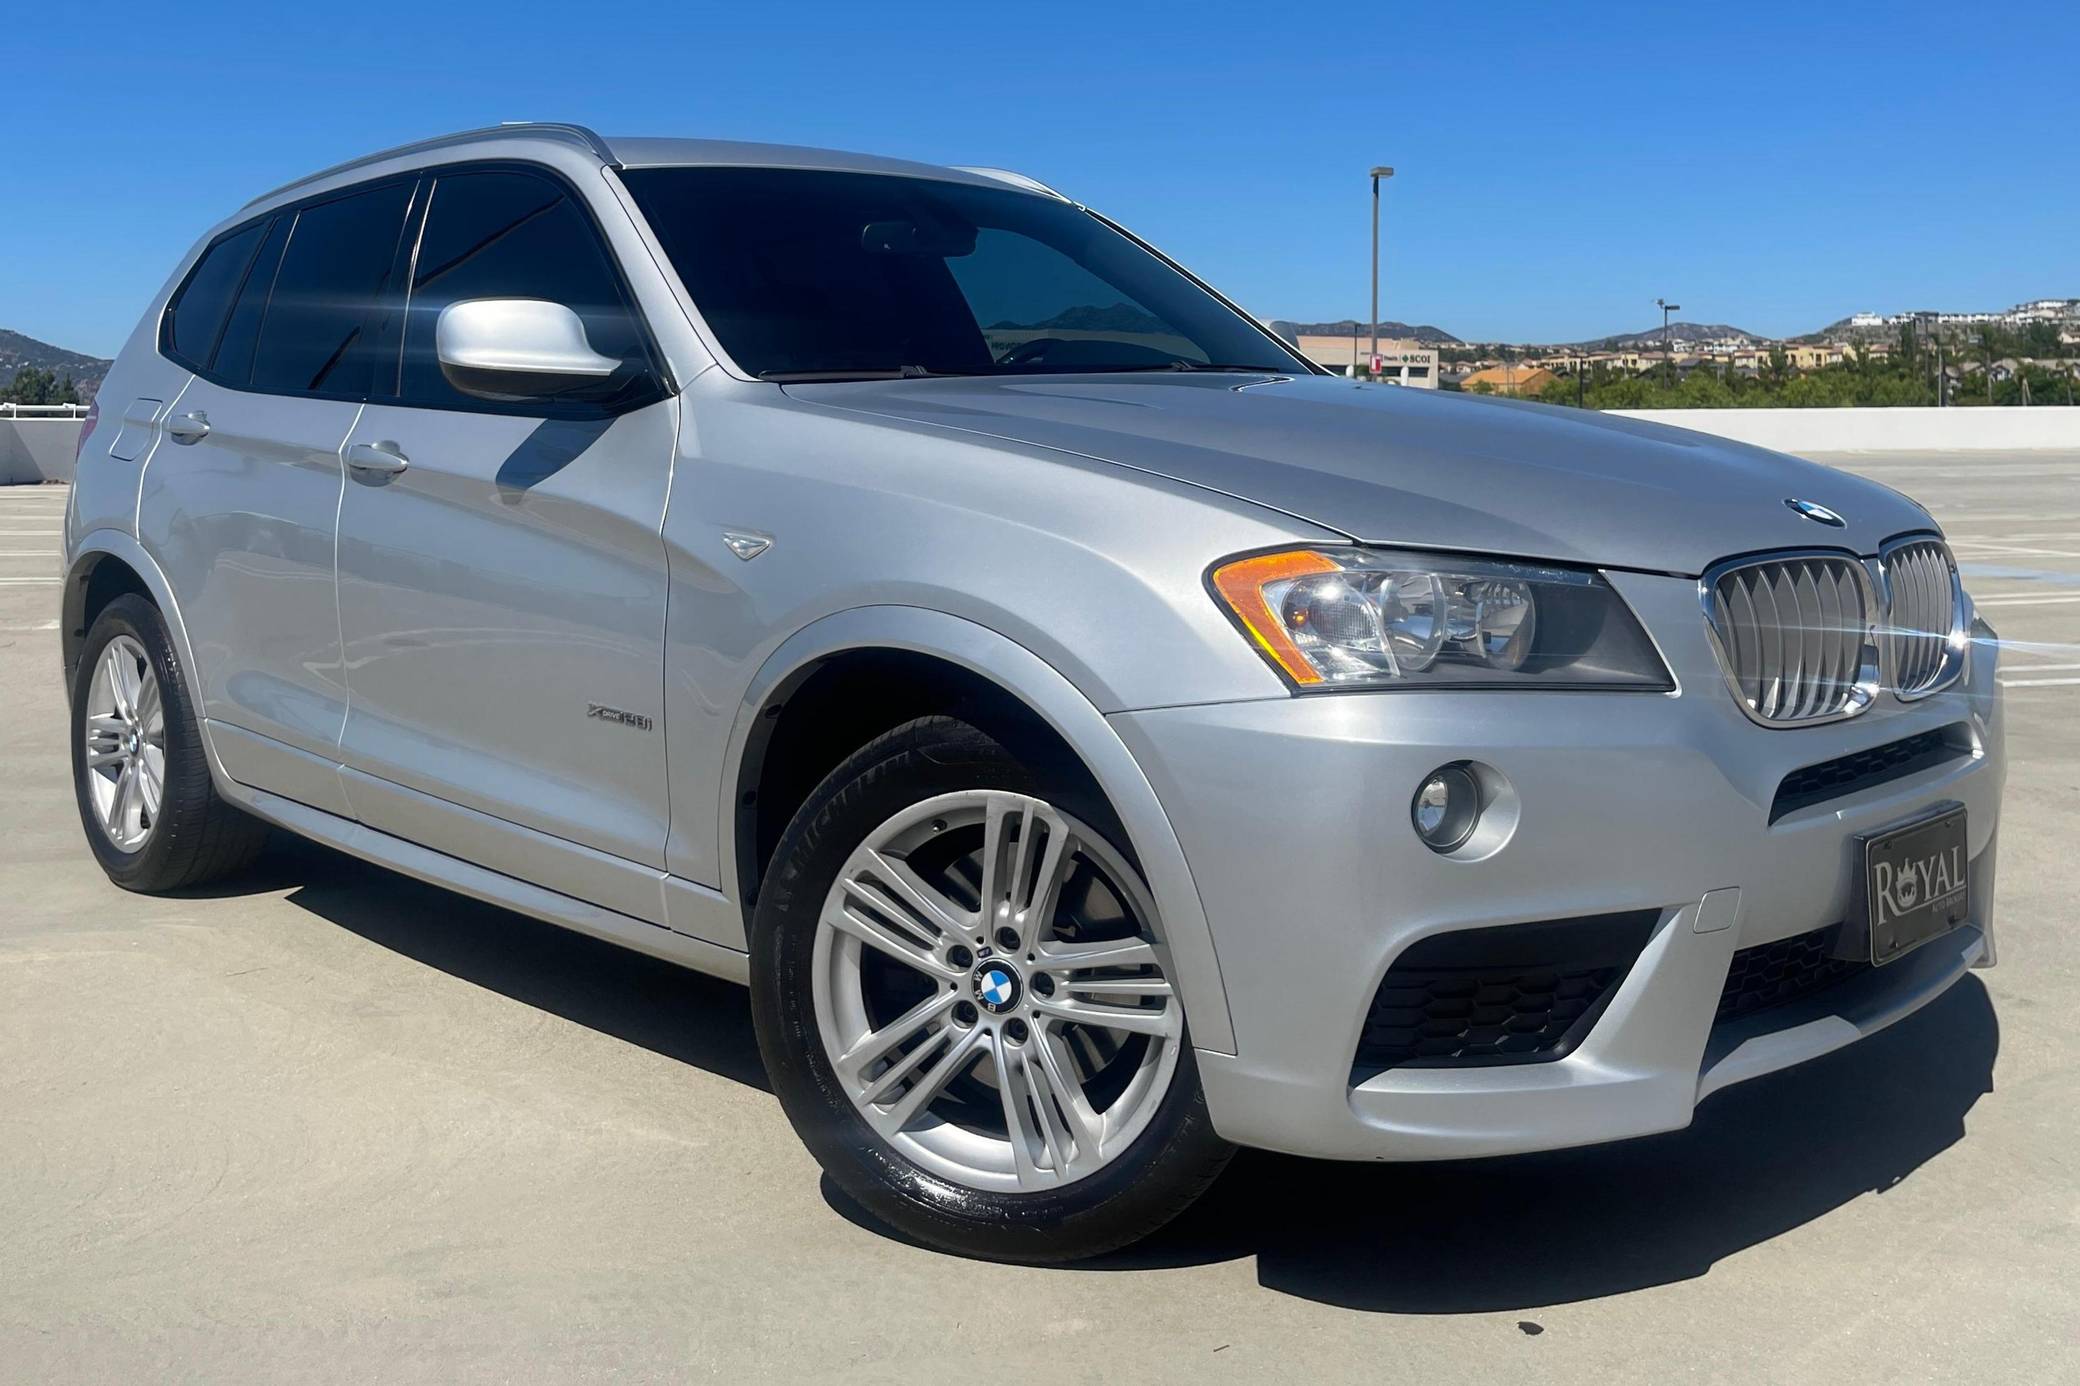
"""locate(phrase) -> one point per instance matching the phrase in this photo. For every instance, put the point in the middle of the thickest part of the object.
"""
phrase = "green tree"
(1777, 372)
(1703, 390)
(31, 385)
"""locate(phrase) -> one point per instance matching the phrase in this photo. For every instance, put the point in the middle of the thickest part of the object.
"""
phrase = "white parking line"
(1975, 551)
(24, 630)
(2040, 668)
(2039, 683)
(2025, 517)
(2029, 600)
(28, 582)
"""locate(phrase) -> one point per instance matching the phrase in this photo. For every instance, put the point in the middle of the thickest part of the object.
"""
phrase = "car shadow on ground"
(1470, 1236)
(1528, 1231)
(698, 1020)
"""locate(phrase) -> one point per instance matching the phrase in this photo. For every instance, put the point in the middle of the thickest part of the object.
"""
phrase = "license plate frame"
(1916, 883)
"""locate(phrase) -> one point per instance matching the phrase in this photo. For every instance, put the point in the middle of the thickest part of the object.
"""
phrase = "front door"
(502, 578)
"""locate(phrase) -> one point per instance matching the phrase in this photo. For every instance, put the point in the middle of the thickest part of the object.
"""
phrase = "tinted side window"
(337, 263)
(508, 235)
(199, 305)
(233, 363)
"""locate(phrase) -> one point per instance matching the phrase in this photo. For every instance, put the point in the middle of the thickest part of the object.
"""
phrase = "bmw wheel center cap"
(997, 987)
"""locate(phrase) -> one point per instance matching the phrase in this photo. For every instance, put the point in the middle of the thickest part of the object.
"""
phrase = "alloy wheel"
(991, 992)
(124, 726)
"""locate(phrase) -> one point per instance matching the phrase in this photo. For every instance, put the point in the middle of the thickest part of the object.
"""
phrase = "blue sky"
(1771, 166)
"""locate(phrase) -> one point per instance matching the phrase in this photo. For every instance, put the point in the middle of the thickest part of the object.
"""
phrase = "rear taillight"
(86, 431)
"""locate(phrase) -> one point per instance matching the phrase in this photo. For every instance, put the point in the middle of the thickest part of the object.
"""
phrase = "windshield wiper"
(1230, 366)
(893, 373)
(1180, 365)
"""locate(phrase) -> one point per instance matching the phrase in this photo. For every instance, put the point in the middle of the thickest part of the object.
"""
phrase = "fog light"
(1446, 808)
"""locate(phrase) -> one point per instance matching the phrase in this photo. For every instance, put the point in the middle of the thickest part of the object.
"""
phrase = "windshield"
(809, 274)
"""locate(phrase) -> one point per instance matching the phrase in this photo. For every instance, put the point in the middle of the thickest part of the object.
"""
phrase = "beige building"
(1812, 358)
(1510, 378)
(1406, 363)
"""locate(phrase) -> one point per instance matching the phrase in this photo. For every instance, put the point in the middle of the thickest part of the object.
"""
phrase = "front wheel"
(963, 997)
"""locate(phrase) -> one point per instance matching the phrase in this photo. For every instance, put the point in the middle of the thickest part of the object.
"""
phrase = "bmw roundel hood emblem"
(1817, 513)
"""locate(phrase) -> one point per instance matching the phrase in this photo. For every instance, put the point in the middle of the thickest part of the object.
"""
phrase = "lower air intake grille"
(1851, 774)
(1518, 993)
(1770, 974)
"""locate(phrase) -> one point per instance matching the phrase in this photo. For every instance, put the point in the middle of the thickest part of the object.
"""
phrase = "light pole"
(1667, 352)
(1378, 173)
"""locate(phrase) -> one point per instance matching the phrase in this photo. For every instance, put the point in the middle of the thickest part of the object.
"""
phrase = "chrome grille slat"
(1747, 627)
(1831, 609)
(1772, 636)
(1811, 647)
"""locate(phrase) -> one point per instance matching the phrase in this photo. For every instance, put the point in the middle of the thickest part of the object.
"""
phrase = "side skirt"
(437, 868)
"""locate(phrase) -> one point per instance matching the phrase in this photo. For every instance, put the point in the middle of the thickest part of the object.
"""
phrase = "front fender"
(1072, 715)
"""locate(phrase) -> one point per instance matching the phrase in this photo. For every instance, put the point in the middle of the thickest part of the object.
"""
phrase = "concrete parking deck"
(326, 1123)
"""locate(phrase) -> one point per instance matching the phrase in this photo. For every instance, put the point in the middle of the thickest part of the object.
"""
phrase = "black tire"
(1168, 1166)
(197, 837)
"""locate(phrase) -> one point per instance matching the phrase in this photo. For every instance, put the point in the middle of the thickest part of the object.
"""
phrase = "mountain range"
(1677, 331)
(1425, 333)
(18, 350)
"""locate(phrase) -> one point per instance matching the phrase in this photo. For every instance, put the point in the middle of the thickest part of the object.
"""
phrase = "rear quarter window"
(195, 315)
(233, 363)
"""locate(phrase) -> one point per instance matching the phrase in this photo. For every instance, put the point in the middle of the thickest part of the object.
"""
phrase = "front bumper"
(1293, 814)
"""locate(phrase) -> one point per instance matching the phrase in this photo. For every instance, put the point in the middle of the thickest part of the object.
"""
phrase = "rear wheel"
(964, 999)
(152, 815)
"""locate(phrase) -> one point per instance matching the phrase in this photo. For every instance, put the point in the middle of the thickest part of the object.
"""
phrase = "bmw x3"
(1098, 737)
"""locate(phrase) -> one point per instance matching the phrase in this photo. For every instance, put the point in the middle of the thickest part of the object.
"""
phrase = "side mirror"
(517, 349)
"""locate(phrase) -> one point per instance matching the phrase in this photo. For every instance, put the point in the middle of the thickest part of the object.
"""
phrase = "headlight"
(1338, 618)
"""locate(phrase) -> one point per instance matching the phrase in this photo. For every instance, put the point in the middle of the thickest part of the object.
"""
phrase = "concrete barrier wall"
(1881, 430)
(33, 450)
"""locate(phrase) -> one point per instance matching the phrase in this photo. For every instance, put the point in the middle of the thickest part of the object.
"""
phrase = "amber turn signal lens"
(1241, 585)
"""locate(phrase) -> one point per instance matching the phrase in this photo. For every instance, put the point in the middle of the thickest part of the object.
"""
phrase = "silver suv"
(1096, 735)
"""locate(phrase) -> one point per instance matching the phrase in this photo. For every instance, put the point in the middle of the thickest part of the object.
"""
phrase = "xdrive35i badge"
(615, 714)
(1817, 513)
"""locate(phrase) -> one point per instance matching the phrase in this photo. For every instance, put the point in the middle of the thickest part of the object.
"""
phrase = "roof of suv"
(638, 152)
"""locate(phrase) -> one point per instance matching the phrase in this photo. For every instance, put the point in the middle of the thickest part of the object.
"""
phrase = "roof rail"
(1015, 179)
(578, 135)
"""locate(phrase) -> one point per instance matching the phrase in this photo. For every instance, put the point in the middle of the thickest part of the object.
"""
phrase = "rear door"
(501, 576)
(240, 505)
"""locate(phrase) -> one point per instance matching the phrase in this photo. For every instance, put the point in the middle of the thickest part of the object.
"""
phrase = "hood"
(1388, 465)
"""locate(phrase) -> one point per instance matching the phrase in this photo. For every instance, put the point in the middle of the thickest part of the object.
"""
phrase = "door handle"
(376, 460)
(188, 429)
